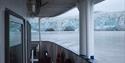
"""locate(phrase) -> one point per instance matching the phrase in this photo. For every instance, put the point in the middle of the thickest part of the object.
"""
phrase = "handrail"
(83, 59)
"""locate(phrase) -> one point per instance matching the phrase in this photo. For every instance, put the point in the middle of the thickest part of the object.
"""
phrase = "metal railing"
(54, 50)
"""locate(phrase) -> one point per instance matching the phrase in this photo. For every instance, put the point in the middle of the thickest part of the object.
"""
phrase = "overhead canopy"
(55, 7)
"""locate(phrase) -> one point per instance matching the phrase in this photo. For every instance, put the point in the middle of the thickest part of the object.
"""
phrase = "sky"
(110, 6)
(72, 12)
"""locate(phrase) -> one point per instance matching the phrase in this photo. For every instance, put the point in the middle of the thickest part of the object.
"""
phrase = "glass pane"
(60, 24)
(62, 29)
(34, 29)
(15, 42)
(109, 17)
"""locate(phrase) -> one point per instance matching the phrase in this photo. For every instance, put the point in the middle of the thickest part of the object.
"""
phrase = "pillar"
(86, 28)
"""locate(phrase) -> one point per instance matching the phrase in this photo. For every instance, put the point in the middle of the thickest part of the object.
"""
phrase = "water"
(109, 46)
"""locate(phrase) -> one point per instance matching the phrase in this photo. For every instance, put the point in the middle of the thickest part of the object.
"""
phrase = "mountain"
(103, 21)
(109, 21)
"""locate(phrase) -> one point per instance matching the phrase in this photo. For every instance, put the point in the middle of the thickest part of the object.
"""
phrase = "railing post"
(32, 57)
(39, 30)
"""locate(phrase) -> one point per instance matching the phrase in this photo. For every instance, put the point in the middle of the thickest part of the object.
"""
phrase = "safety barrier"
(49, 52)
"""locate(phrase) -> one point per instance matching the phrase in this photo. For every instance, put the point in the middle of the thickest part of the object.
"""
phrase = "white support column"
(86, 28)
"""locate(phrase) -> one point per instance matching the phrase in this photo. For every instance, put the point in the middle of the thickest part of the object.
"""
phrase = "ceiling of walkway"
(49, 8)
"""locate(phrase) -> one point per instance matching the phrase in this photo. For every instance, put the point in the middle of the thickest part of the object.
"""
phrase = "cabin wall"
(19, 7)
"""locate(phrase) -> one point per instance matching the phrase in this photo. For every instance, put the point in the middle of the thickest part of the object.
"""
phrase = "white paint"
(1, 32)
(86, 28)
(18, 6)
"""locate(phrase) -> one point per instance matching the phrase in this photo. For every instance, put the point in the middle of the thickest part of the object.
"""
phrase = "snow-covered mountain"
(104, 21)
(109, 21)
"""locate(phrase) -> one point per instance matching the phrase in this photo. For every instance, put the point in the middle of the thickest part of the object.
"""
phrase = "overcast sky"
(110, 6)
(72, 12)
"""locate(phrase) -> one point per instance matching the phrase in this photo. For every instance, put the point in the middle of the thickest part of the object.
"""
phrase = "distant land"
(103, 21)
(109, 21)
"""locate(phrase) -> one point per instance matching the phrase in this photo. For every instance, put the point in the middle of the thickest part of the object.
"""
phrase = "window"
(109, 17)
(34, 29)
(62, 29)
